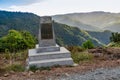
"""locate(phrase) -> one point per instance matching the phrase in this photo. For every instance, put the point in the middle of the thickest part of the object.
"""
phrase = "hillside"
(99, 20)
(18, 21)
(103, 37)
(113, 27)
(75, 23)
(65, 35)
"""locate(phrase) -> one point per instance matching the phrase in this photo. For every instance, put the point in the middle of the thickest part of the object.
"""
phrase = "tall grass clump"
(84, 56)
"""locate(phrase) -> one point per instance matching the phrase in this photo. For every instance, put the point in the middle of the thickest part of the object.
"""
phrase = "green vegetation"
(113, 44)
(33, 68)
(13, 62)
(88, 44)
(72, 36)
(81, 56)
(91, 21)
(65, 35)
(74, 49)
(115, 40)
(115, 37)
(103, 37)
(18, 21)
(15, 67)
(15, 41)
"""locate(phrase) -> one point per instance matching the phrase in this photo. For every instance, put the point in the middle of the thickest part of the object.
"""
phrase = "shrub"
(88, 44)
(33, 68)
(16, 41)
(77, 57)
(44, 68)
(115, 37)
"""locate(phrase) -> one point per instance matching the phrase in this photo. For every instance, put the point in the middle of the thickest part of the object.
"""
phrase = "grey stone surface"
(45, 59)
(52, 62)
(63, 53)
(46, 42)
(46, 19)
(47, 49)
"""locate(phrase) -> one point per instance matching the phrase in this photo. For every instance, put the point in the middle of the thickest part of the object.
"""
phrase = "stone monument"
(47, 52)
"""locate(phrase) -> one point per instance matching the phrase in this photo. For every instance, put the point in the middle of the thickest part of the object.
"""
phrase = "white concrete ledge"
(52, 62)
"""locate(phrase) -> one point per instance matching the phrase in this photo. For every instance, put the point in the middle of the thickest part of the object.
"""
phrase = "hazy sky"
(52, 7)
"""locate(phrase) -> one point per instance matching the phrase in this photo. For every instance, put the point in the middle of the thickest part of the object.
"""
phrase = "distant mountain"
(115, 27)
(65, 35)
(95, 21)
(74, 22)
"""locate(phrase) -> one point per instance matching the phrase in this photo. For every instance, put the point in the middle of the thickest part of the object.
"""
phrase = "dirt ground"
(104, 58)
(62, 71)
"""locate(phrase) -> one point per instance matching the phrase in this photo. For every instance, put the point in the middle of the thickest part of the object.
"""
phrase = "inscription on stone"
(46, 31)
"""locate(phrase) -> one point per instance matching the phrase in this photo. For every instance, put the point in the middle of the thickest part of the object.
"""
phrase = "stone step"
(49, 56)
(47, 49)
(51, 62)
(63, 53)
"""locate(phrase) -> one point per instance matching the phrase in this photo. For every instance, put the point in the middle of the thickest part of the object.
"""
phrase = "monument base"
(47, 49)
(45, 59)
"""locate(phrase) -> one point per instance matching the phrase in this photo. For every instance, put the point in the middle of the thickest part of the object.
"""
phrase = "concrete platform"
(52, 62)
(44, 59)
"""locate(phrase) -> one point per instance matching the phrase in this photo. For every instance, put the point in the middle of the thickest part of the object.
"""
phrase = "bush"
(33, 68)
(16, 41)
(115, 37)
(77, 57)
(88, 44)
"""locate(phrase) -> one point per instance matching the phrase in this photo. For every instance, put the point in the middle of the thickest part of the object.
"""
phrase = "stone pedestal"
(47, 52)
(50, 58)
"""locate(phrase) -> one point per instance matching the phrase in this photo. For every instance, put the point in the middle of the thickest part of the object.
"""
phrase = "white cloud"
(52, 7)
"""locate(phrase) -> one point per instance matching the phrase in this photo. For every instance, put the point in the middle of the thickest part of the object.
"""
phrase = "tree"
(88, 44)
(15, 41)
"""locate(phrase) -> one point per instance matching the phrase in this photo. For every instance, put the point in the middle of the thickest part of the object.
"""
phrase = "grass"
(15, 67)
(13, 61)
(74, 49)
(81, 56)
(112, 44)
(34, 68)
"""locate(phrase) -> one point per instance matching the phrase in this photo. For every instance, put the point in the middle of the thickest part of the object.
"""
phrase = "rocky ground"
(106, 66)
(104, 70)
(98, 74)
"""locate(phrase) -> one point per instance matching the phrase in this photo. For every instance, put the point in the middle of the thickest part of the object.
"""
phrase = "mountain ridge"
(97, 19)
